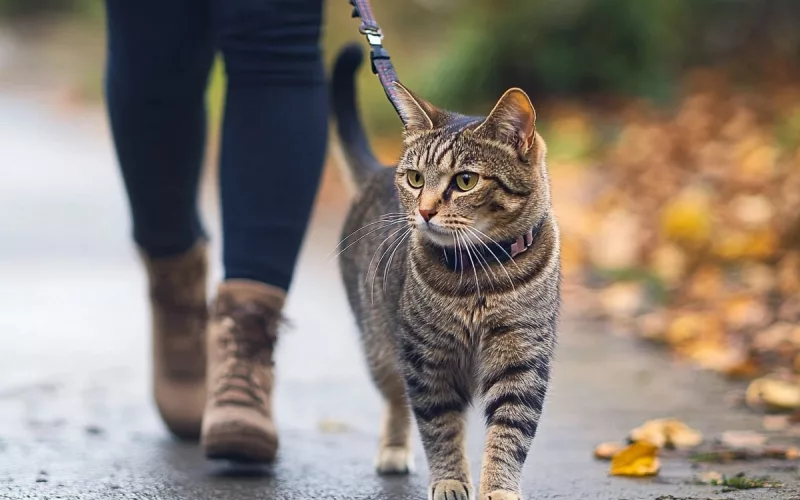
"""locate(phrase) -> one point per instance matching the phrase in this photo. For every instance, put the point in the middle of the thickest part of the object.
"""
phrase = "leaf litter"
(675, 439)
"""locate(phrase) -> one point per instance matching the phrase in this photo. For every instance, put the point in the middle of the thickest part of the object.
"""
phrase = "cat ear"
(417, 113)
(513, 121)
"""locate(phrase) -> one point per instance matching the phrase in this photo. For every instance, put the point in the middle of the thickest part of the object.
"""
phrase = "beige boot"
(237, 424)
(179, 310)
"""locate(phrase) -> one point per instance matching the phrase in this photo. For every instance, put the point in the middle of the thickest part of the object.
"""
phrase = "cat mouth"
(439, 235)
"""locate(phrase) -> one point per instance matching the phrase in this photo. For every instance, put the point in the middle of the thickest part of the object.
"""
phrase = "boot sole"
(240, 447)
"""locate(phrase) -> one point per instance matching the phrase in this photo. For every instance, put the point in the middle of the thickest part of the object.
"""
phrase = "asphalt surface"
(77, 421)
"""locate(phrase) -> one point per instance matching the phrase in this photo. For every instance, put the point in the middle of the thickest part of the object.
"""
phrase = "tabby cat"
(451, 265)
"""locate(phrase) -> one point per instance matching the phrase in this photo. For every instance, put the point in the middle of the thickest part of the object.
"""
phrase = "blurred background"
(673, 129)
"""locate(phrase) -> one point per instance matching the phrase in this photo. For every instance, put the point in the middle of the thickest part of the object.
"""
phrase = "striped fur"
(434, 338)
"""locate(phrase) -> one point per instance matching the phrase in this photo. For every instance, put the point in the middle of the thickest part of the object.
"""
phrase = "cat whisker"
(397, 244)
(472, 262)
(495, 257)
(458, 252)
(481, 233)
(483, 262)
(389, 262)
(383, 218)
(387, 225)
(369, 267)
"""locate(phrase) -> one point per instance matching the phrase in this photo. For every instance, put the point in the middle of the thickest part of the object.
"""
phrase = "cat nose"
(427, 214)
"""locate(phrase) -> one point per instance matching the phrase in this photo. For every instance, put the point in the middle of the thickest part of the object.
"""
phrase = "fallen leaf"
(686, 219)
(605, 451)
(686, 327)
(639, 459)
(746, 369)
(773, 393)
(667, 433)
(715, 355)
(743, 439)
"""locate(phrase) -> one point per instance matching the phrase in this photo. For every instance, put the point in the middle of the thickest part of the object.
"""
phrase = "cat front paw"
(394, 460)
(502, 495)
(450, 490)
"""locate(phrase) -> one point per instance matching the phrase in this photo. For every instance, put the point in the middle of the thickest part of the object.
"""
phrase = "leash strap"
(379, 57)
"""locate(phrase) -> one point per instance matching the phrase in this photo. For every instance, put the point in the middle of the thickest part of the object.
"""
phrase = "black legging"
(274, 131)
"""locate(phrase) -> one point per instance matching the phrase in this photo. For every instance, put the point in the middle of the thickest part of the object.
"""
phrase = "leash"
(379, 57)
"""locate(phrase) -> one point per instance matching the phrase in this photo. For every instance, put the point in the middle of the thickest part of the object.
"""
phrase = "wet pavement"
(77, 421)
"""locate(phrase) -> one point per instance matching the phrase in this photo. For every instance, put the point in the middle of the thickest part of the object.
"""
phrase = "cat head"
(481, 178)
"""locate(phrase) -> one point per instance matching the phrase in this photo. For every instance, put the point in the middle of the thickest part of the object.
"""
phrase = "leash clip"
(374, 36)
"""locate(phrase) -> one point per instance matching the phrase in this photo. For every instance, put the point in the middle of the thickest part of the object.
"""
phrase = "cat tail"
(354, 153)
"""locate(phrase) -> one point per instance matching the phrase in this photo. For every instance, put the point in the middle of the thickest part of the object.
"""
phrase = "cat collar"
(457, 259)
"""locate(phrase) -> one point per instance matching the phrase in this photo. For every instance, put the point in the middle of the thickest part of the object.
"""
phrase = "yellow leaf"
(757, 161)
(638, 459)
(667, 432)
(691, 326)
(686, 219)
(714, 355)
(736, 245)
(773, 393)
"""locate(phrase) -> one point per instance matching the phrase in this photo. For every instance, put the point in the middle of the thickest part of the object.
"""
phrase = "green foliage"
(563, 47)
(568, 47)
(24, 8)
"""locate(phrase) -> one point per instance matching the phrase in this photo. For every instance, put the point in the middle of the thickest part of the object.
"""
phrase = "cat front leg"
(515, 368)
(439, 393)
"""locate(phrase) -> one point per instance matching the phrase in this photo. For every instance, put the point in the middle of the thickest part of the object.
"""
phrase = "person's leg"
(274, 133)
(273, 148)
(159, 56)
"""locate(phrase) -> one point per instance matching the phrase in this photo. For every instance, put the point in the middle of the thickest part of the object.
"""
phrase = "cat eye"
(415, 179)
(466, 181)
